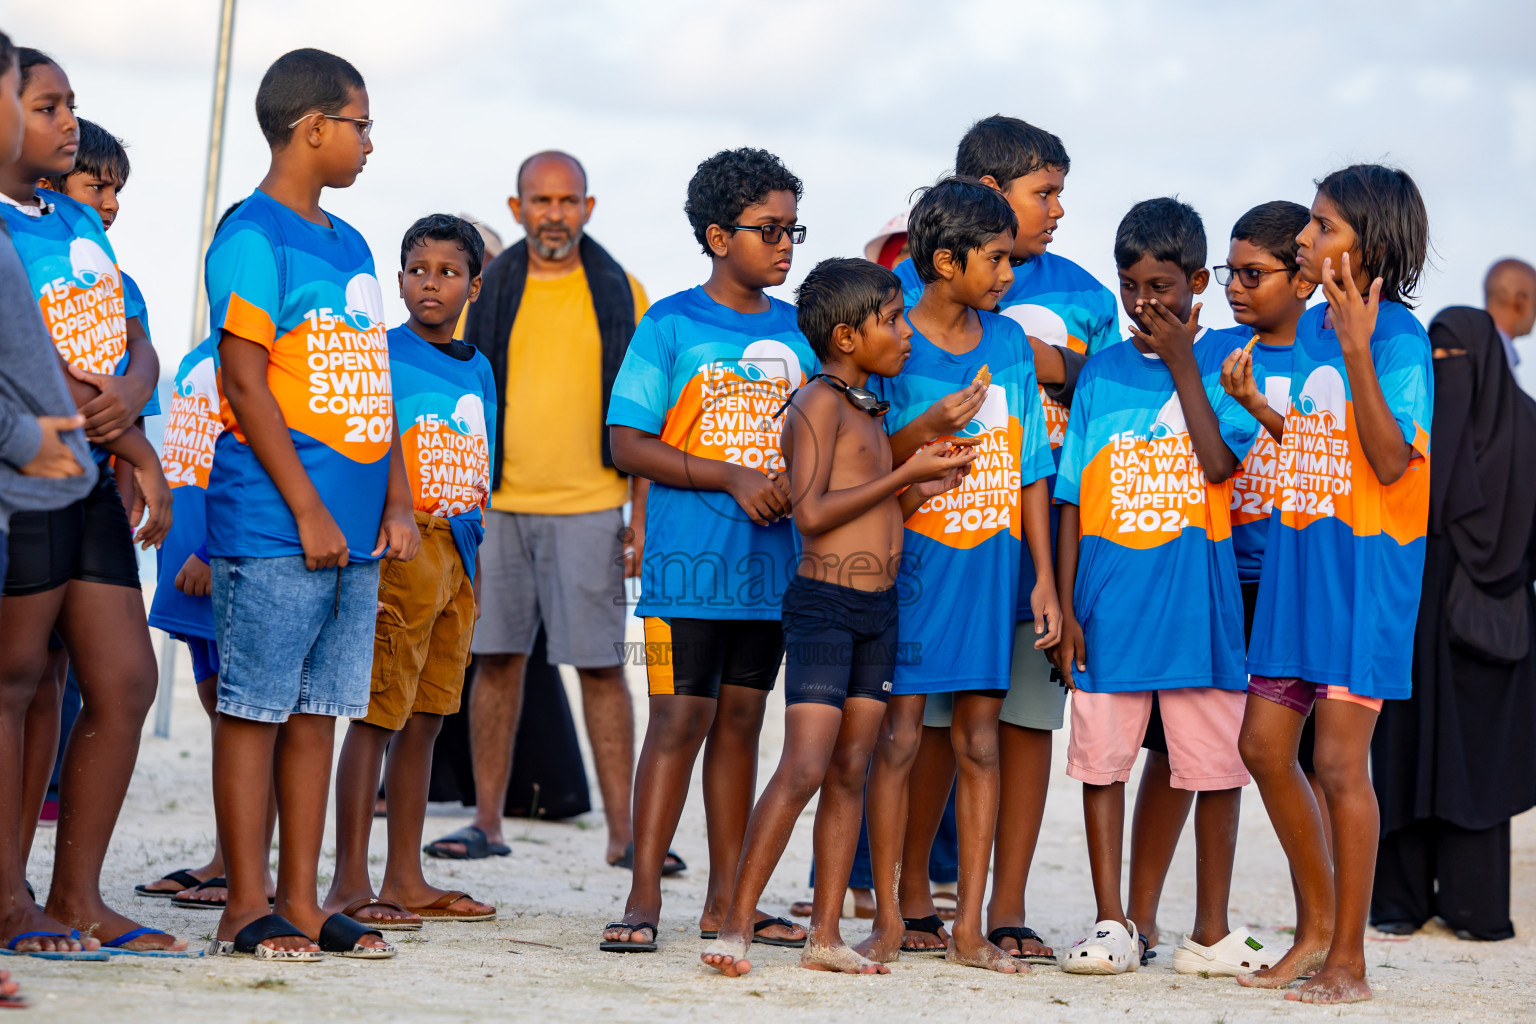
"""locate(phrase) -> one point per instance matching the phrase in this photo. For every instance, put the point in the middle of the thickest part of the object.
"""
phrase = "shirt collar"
(42, 208)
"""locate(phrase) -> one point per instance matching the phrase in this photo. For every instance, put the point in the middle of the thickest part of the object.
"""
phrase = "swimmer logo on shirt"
(987, 500)
(448, 458)
(330, 374)
(193, 426)
(1047, 325)
(84, 311)
(730, 410)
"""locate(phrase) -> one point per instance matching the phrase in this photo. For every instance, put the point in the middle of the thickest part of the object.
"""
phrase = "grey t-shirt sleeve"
(1073, 363)
(20, 435)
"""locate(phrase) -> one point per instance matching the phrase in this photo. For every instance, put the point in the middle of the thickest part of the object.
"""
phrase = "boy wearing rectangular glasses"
(306, 492)
(840, 615)
(697, 409)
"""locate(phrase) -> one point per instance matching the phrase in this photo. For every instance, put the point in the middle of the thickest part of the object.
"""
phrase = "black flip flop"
(769, 922)
(216, 882)
(342, 936)
(614, 946)
(676, 866)
(185, 879)
(476, 845)
(1020, 934)
(930, 924)
(248, 942)
(1147, 952)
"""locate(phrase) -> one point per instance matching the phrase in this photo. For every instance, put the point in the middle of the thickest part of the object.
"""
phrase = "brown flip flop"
(440, 909)
(351, 909)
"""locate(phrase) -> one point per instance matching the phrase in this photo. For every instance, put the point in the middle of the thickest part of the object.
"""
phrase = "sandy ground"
(540, 960)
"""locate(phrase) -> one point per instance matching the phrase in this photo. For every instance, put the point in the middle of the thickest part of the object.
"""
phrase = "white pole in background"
(200, 300)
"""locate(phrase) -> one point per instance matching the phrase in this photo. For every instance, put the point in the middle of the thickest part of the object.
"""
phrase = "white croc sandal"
(1111, 949)
(1238, 953)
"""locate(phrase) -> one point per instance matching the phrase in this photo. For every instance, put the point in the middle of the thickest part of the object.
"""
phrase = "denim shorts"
(292, 641)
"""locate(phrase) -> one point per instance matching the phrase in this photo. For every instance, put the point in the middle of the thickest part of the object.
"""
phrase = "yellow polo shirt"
(552, 456)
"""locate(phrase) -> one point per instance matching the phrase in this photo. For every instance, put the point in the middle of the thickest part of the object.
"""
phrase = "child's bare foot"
(883, 946)
(839, 958)
(728, 955)
(1332, 985)
(27, 916)
(1298, 961)
(106, 924)
(984, 955)
(365, 908)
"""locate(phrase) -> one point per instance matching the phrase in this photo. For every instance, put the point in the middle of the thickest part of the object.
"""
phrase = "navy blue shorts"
(840, 642)
(205, 656)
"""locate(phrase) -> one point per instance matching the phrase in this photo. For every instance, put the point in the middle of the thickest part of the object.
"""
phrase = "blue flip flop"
(115, 946)
(93, 955)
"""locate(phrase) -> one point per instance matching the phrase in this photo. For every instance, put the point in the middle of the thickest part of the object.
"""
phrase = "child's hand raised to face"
(1166, 335)
(1353, 314)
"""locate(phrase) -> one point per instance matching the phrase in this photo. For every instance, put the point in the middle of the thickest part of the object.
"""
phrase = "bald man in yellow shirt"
(554, 318)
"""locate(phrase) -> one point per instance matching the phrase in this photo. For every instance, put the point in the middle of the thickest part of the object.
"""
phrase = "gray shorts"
(1033, 701)
(565, 571)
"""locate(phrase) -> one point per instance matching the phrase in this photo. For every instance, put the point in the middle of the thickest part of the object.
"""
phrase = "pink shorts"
(1299, 695)
(1202, 725)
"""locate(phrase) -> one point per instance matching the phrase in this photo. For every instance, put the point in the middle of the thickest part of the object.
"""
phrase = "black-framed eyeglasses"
(861, 399)
(773, 232)
(364, 124)
(1249, 276)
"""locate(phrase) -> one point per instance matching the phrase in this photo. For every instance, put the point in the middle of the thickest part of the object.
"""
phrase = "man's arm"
(764, 497)
(243, 374)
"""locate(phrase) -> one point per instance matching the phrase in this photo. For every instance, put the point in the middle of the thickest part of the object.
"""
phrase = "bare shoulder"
(817, 406)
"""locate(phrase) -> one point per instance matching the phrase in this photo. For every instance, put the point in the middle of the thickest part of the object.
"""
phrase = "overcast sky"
(1226, 105)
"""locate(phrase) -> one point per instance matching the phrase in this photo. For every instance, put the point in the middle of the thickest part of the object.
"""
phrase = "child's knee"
(1340, 771)
(1260, 754)
(975, 748)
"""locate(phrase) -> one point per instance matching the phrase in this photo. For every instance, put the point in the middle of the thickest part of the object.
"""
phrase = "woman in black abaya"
(1457, 760)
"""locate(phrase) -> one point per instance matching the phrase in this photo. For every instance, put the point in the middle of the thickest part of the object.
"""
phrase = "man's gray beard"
(555, 253)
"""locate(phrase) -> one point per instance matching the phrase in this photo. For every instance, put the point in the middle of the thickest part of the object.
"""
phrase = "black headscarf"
(1483, 488)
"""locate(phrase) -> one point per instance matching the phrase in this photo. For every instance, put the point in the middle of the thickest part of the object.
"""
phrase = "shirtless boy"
(840, 610)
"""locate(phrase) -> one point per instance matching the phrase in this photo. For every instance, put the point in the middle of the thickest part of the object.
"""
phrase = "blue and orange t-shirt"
(959, 568)
(308, 295)
(1256, 485)
(1156, 592)
(712, 382)
(133, 306)
(1062, 304)
(1339, 594)
(444, 404)
(192, 432)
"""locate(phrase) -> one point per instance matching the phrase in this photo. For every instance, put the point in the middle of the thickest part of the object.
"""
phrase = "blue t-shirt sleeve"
(1106, 329)
(133, 300)
(1069, 474)
(1404, 369)
(641, 390)
(244, 286)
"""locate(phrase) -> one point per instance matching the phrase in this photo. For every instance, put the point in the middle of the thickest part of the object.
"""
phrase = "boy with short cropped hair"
(1267, 298)
(307, 491)
(698, 410)
(840, 614)
(1067, 315)
(1144, 486)
(444, 396)
(960, 549)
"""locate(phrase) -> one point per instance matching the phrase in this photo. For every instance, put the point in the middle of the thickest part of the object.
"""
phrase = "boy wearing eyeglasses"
(970, 377)
(697, 409)
(839, 613)
(1148, 580)
(306, 492)
(1267, 297)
